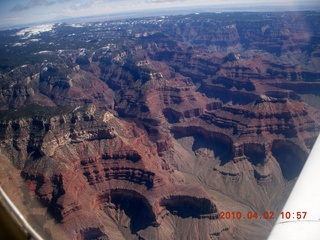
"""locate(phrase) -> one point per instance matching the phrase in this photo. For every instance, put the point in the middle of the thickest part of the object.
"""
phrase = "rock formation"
(152, 135)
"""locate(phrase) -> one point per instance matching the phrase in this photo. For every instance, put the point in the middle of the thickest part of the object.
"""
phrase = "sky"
(23, 12)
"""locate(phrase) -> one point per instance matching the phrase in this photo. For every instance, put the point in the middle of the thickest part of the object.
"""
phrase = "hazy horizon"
(22, 13)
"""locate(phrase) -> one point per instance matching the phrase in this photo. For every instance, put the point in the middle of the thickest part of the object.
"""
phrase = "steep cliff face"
(170, 123)
(113, 171)
(56, 84)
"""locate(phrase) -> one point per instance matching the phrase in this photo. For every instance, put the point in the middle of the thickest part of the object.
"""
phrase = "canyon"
(152, 128)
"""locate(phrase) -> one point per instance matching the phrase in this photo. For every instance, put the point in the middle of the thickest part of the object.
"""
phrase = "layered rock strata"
(160, 124)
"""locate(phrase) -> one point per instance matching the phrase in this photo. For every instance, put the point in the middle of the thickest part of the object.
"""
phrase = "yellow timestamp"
(293, 215)
(248, 215)
(265, 215)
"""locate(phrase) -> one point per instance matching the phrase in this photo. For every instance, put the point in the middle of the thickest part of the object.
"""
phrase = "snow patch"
(43, 52)
(17, 44)
(30, 31)
(76, 108)
(76, 25)
(82, 51)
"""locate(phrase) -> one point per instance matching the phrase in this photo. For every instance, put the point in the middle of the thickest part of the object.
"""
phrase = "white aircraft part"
(18, 217)
(303, 203)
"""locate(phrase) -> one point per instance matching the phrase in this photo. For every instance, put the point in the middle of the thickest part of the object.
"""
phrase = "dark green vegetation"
(32, 110)
(16, 51)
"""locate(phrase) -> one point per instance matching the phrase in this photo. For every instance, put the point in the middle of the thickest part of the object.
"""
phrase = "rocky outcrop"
(111, 165)
(54, 85)
(93, 233)
(174, 121)
(186, 206)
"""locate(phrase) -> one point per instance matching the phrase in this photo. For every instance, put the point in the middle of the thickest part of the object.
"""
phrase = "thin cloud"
(32, 4)
(180, 1)
(162, 1)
